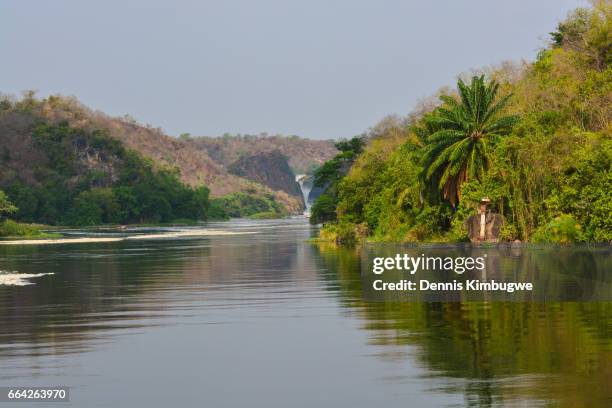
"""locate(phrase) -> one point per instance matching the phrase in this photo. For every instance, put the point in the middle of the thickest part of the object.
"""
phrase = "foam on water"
(15, 278)
(89, 240)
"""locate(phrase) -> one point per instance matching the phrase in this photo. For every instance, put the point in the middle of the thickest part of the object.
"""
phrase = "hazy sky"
(315, 68)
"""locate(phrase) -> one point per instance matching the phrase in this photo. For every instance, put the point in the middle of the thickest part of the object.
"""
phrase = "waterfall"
(305, 182)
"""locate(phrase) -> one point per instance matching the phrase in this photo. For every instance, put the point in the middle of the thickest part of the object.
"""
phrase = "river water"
(267, 319)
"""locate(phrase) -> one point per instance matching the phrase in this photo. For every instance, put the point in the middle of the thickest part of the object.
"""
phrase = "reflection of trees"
(506, 351)
(125, 285)
(577, 273)
(94, 293)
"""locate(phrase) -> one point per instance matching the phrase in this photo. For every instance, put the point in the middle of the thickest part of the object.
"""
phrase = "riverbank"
(12, 229)
(344, 233)
(136, 236)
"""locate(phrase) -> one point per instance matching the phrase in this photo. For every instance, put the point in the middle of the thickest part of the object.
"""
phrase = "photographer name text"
(459, 265)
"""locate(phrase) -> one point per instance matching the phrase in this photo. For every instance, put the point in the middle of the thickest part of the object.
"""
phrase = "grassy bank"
(12, 229)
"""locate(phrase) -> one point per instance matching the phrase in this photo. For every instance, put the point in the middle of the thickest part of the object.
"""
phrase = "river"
(260, 317)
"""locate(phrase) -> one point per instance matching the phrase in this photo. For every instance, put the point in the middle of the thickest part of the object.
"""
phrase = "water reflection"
(127, 285)
(269, 319)
(504, 353)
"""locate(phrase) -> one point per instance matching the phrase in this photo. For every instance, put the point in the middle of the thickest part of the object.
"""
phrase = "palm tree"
(460, 134)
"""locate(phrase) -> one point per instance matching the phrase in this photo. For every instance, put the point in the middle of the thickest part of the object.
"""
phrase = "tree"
(461, 133)
(95, 206)
(329, 175)
(332, 170)
(6, 207)
(587, 31)
(323, 209)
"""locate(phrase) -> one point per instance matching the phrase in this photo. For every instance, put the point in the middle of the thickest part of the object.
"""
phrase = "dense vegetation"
(328, 177)
(6, 207)
(88, 178)
(62, 163)
(200, 161)
(535, 139)
(249, 205)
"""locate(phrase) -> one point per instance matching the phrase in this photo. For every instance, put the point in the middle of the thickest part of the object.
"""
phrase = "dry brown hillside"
(304, 154)
(196, 165)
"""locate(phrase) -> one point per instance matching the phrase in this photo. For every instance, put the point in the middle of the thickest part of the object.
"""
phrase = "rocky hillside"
(195, 166)
(304, 155)
(270, 169)
(200, 161)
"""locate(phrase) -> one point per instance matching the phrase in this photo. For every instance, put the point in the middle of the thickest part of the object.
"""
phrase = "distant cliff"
(304, 155)
(270, 169)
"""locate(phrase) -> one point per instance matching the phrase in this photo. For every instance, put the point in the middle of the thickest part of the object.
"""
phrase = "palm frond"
(458, 134)
(446, 134)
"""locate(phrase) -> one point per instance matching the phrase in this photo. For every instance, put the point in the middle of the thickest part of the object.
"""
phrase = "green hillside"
(535, 138)
(58, 174)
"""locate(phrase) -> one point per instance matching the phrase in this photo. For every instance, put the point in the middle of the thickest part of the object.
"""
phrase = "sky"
(314, 68)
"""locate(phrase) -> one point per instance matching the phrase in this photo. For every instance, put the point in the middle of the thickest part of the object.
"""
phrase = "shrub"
(6, 207)
(323, 209)
(11, 228)
(342, 233)
(562, 230)
(247, 205)
(508, 232)
(216, 210)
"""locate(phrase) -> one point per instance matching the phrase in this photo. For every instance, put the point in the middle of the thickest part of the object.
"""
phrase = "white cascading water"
(305, 186)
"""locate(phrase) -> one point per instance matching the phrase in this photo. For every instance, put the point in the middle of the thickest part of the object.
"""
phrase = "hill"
(20, 119)
(305, 155)
(58, 174)
(535, 140)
